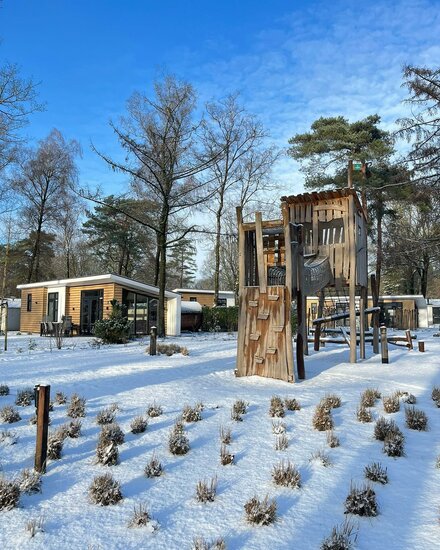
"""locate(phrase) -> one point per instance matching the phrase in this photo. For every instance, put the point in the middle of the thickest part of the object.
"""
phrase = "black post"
(153, 341)
(42, 398)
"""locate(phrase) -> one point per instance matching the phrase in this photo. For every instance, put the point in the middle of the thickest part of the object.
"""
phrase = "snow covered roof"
(200, 291)
(101, 279)
(14, 303)
(190, 307)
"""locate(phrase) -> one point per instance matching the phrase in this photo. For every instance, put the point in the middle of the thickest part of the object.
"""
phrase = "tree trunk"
(424, 275)
(218, 219)
(162, 279)
(35, 257)
(157, 261)
(379, 248)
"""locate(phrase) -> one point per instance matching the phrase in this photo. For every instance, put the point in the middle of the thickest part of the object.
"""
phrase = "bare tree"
(242, 170)
(159, 137)
(43, 179)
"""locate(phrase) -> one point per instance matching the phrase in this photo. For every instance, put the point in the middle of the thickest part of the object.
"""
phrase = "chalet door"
(91, 309)
(52, 306)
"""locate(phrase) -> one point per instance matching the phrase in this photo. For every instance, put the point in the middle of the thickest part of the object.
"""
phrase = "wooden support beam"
(421, 346)
(153, 341)
(42, 399)
(353, 274)
(260, 253)
(301, 340)
(384, 344)
(362, 324)
(289, 291)
(375, 317)
(241, 253)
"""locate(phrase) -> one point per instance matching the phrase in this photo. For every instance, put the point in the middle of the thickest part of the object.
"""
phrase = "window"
(29, 302)
(192, 299)
(222, 302)
(52, 306)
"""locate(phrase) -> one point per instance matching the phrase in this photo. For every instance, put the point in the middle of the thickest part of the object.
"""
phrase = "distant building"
(206, 297)
(14, 305)
(433, 311)
(85, 300)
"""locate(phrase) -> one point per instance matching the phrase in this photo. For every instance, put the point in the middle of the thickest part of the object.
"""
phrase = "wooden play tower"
(319, 246)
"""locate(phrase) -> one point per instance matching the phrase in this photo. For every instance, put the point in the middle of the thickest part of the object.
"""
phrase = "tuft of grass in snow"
(154, 410)
(322, 457)
(332, 439)
(138, 425)
(200, 543)
(142, 518)
(169, 349)
(292, 404)
(76, 407)
(363, 414)
(416, 419)
(383, 427)
(8, 438)
(178, 443)
(34, 526)
(107, 415)
(112, 432)
(286, 474)
(369, 397)
(437, 462)
(192, 414)
(105, 490)
(25, 397)
(322, 418)
(9, 414)
(225, 456)
(331, 401)
(9, 494)
(281, 442)
(73, 428)
(239, 408)
(260, 512)
(376, 472)
(225, 435)
(107, 452)
(60, 398)
(206, 492)
(278, 427)
(276, 408)
(361, 501)
(29, 481)
(4, 389)
(55, 443)
(435, 395)
(342, 537)
(391, 403)
(410, 399)
(154, 467)
(393, 444)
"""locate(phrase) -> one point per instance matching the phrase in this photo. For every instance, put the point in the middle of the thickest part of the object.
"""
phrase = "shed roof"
(316, 196)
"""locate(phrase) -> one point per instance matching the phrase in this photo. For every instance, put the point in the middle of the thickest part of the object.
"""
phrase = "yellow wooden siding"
(73, 300)
(30, 320)
(202, 298)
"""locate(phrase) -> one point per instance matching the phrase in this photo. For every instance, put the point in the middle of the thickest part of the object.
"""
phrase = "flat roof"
(100, 279)
(197, 291)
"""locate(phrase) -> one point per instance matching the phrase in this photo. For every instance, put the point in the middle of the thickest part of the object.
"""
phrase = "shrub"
(276, 408)
(437, 462)
(342, 537)
(24, 397)
(55, 443)
(281, 442)
(292, 404)
(9, 414)
(376, 472)
(178, 443)
(107, 452)
(322, 418)
(51, 405)
(260, 512)
(116, 328)
(416, 419)
(154, 410)
(286, 475)
(383, 427)
(369, 397)
(76, 407)
(363, 414)
(34, 526)
(332, 439)
(142, 518)
(105, 490)
(331, 401)
(225, 435)
(73, 429)
(154, 468)
(435, 395)
(169, 349)
(8, 438)
(107, 415)
(393, 444)
(410, 399)
(239, 408)
(220, 319)
(322, 457)
(60, 398)
(278, 427)
(4, 389)
(391, 403)
(225, 456)
(112, 432)
(205, 492)
(9, 494)
(29, 482)
(138, 425)
(361, 501)
(200, 543)
(192, 414)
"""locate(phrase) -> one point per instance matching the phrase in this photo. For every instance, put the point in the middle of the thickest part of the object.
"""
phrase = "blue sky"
(292, 61)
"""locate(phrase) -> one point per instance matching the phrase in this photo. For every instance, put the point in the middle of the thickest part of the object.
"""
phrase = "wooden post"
(153, 341)
(353, 273)
(409, 339)
(421, 345)
(289, 252)
(262, 278)
(42, 399)
(384, 344)
(301, 335)
(350, 174)
(375, 317)
(362, 324)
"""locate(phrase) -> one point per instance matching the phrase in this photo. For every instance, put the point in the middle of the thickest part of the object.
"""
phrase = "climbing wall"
(264, 334)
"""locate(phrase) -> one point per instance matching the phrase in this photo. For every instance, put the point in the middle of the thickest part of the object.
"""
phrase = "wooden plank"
(253, 303)
(352, 281)
(260, 253)
(259, 360)
(384, 344)
(43, 400)
(263, 315)
(241, 249)
(278, 328)
(254, 336)
(273, 297)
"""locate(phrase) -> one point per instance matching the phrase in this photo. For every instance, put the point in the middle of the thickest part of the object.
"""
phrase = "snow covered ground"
(409, 506)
